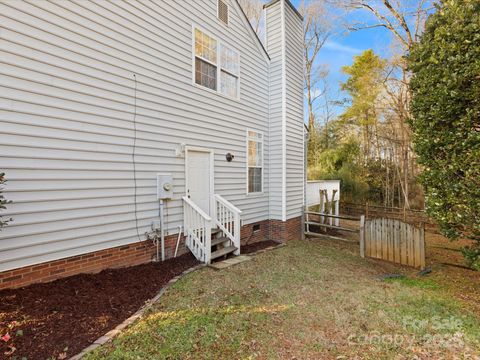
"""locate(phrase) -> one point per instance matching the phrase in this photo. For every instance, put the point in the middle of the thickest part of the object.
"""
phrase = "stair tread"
(224, 251)
(219, 240)
(215, 231)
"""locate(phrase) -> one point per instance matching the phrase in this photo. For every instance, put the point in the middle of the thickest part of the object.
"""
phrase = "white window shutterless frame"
(254, 162)
(216, 66)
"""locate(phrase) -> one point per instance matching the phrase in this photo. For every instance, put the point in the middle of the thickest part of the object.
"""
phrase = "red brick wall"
(122, 256)
(248, 236)
(135, 254)
(283, 231)
(276, 230)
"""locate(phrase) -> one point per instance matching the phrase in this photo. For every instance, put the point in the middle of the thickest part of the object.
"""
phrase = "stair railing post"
(208, 240)
(237, 233)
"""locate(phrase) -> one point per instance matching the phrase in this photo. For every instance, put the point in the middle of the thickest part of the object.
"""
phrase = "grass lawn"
(312, 299)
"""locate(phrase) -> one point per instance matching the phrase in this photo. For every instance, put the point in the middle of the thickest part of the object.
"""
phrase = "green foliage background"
(446, 116)
(349, 147)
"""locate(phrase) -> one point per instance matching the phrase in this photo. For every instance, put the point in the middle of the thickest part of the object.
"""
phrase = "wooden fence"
(374, 211)
(393, 240)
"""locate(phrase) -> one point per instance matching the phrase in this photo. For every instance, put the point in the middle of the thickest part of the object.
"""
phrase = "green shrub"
(446, 118)
(472, 256)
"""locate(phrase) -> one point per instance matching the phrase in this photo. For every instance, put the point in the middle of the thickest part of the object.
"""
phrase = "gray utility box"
(164, 186)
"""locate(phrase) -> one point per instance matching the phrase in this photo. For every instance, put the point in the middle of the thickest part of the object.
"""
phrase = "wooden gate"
(395, 241)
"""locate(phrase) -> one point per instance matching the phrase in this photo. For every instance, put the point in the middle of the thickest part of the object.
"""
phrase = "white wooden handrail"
(227, 218)
(228, 204)
(196, 208)
(198, 230)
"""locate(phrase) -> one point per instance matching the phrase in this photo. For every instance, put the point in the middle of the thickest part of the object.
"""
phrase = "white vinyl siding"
(295, 181)
(274, 48)
(66, 120)
(285, 47)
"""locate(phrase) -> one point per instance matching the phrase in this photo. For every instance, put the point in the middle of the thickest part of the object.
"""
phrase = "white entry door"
(199, 182)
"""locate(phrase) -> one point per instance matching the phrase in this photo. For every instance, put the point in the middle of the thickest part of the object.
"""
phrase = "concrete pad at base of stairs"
(229, 262)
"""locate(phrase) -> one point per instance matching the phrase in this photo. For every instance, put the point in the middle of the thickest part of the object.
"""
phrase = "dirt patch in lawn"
(58, 319)
(251, 248)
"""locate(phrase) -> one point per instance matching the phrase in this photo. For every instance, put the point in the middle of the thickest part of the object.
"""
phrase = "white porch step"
(219, 240)
(225, 251)
(216, 231)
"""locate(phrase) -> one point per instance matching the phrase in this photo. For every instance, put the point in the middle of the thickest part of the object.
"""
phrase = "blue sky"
(341, 47)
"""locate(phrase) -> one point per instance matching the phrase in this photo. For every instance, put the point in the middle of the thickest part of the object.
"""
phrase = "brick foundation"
(283, 231)
(137, 253)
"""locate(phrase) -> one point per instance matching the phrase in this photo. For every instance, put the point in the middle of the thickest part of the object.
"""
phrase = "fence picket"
(391, 229)
(403, 244)
(422, 246)
(395, 241)
(411, 248)
(370, 238)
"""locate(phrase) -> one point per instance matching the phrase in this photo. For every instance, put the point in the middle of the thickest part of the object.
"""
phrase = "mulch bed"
(251, 248)
(59, 319)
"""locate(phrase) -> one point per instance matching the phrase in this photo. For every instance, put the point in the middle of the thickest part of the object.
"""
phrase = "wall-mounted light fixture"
(229, 157)
(180, 150)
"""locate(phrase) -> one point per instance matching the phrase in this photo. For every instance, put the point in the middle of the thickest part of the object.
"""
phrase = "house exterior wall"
(275, 48)
(295, 172)
(67, 110)
(134, 254)
(285, 47)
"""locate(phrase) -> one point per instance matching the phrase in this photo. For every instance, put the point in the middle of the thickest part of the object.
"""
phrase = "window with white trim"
(230, 66)
(205, 60)
(255, 161)
(217, 66)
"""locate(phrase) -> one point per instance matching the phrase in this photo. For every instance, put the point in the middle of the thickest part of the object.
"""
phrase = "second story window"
(205, 60)
(217, 66)
(230, 65)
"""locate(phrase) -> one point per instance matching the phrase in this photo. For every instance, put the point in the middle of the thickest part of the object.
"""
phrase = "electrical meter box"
(164, 186)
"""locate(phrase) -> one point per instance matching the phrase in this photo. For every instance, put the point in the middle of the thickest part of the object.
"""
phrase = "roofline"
(272, 2)
(253, 30)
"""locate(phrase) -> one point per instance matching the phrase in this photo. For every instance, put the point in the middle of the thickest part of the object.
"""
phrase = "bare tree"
(253, 9)
(317, 29)
(405, 19)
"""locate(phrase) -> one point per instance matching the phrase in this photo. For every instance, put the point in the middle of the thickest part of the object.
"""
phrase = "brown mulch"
(58, 319)
(251, 248)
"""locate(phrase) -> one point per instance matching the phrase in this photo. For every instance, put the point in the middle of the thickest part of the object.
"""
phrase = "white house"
(97, 98)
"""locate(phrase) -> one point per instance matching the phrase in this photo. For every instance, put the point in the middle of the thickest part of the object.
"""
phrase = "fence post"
(322, 205)
(422, 246)
(362, 236)
(366, 209)
(306, 218)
